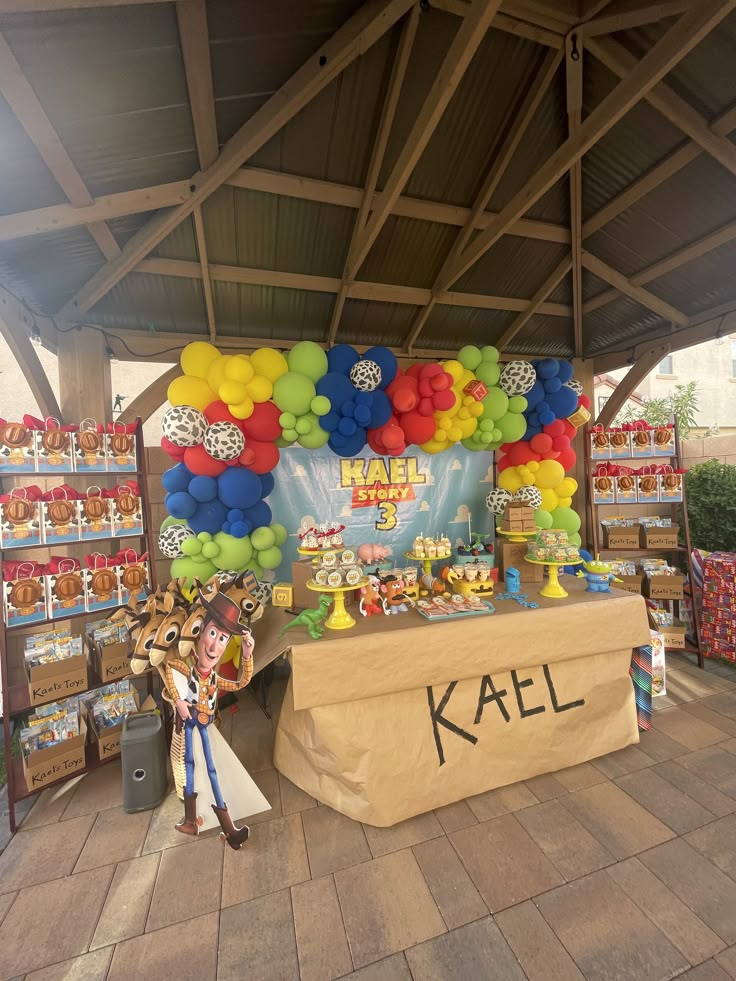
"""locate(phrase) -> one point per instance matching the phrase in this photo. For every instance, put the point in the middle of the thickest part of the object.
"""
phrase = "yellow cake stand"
(518, 536)
(553, 590)
(316, 554)
(427, 563)
(339, 619)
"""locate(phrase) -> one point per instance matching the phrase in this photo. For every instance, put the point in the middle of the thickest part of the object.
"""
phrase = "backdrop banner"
(385, 500)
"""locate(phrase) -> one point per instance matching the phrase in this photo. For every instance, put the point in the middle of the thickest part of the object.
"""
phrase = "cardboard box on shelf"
(618, 536)
(57, 679)
(630, 584)
(674, 636)
(106, 742)
(111, 661)
(63, 760)
(653, 537)
(511, 555)
(664, 587)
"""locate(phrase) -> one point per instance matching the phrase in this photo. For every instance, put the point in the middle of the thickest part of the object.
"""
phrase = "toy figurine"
(370, 598)
(368, 553)
(513, 581)
(395, 599)
(598, 576)
(313, 620)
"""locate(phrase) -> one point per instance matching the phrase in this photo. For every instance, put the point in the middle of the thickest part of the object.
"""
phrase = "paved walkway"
(623, 868)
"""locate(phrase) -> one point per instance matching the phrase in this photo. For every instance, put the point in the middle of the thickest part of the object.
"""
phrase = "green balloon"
(290, 435)
(234, 552)
(513, 427)
(255, 568)
(191, 546)
(497, 435)
(280, 533)
(186, 568)
(489, 373)
(210, 550)
(262, 538)
(486, 438)
(204, 536)
(283, 443)
(321, 405)
(469, 357)
(316, 437)
(575, 540)
(472, 442)
(169, 521)
(517, 403)
(495, 404)
(486, 425)
(490, 353)
(269, 558)
(307, 358)
(542, 518)
(293, 392)
(303, 426)
(566, 519)
(287, 420)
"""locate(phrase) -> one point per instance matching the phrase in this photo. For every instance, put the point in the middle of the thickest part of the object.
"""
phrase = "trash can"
(143, 758)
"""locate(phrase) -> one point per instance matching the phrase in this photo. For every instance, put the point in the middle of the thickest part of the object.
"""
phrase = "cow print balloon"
(365, 375)
(224, 441)
(183, 425)
(575, 385)
(529, 495)
(497, 500)
(171, 539)
(518, 377)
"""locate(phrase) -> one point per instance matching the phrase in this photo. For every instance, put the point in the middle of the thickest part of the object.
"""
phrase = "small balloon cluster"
(534, 468)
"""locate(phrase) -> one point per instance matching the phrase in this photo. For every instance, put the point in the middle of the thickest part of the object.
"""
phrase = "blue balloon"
(177, 479)
(546, 418)
(547, 368)
(341, 358)
(330, 421)
(363, 416)
(565, 372)
(235, 514)
(563, 403)
(239, 529)
(381, 410)
(239, 487)
(542, 406)
(348, 409)
(203, 488)
(532, 420)
(337, 388)
(364, 398)
(535, 395)
(552, 384)
(388, 364)
(267, 484)
(337, 441)
(348, 446)
(180, 504)
(259, 515)
(347, 426)
(208, 517)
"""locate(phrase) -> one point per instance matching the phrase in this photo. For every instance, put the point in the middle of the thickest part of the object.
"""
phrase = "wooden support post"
(85, 384)
(195, 46)
(583, 372)
(209, 301)
(574, 92)
(15, 327)
(645, 362)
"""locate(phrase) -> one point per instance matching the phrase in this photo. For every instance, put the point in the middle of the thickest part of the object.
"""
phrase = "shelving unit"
(678, 512)
(15, 698)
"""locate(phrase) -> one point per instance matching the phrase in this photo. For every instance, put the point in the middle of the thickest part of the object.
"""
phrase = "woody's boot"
(235, 837)
(189, 824)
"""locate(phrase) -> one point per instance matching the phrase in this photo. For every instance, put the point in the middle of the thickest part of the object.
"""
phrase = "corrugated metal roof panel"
(25, 181)
(164, 303)
(125, 228)
(548, 336)
(111, 81)
(563, 293)
(451, 327)
(617, 324)
(408, 252)
(53, 266)
(364, 322)
(271, 312)
(591, 285)
(700, 285)
(181, 242)
(512, 267)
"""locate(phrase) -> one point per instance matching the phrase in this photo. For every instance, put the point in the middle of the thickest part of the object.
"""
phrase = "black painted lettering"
(495, 696)
(518, 685)
(438, 719)
(553, 694)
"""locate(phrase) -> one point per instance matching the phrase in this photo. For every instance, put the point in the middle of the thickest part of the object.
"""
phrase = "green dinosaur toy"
(312, 619)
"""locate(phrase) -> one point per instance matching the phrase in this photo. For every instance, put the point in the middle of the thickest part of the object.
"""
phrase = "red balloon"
(584, 400)
(198, 460)
(403, 394)
(417, 428)
(567, 459)
(219, 412)
(561, 443)
(503, 464)
(393, 437)
(442, 382)
(570, 430)
(425, 388)
(541, 443)
(415, 370)
(263, 424)
(177, 452)
(259, 457)
(556, 428)
(444, 400)
(426, 407)
(521, 453)
(430, 370)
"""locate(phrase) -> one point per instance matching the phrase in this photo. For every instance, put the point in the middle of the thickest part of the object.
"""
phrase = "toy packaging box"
(20, 520)
(60, 760)
(54, 450)
(17, 448)
(60, 521)
(718, 617)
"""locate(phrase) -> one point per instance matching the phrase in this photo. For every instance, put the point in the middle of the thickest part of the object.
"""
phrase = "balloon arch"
(231, 415)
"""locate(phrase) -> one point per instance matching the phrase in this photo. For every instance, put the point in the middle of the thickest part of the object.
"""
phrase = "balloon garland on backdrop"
(231, 414)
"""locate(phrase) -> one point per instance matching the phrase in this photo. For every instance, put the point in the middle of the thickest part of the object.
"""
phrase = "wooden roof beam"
(522, 117)
(636, 374)
(537, 302)
(204, 266)
(16, 324)
(191, 16)
(628, 15)
(603, 271)
(462, 49)
(18, 93)
(574, 96)
(683, 37)
(388, 112)
(369, 23)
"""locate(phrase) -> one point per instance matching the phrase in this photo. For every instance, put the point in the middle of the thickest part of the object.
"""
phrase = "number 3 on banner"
(387, 521)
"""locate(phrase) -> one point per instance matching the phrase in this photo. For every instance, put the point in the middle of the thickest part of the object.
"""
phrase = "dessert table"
(400, 715)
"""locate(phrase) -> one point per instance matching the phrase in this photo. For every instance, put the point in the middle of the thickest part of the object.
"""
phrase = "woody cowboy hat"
(224, 612)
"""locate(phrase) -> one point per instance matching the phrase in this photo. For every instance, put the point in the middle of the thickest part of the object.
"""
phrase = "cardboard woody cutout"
(186, 641)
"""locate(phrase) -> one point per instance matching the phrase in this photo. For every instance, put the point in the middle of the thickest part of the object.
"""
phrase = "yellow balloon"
(476, 409)
(440, 436)
(567, 487)
(435, 446)
(549, 474)
(467, 426)
(444, 424)
(232, 392)
(216, 372)
(187, 390)
(509, 480)
(244, 409)
(197, 357)
(455, 369)
(455, 434)
(260, 389)
(565, 502)
(269, 363)
(526, 476)
(550, 499)
(467, 376)
(239, 369)
(464, 413)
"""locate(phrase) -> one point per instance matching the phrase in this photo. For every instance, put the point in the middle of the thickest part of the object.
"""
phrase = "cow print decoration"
(531, 496)
(575, 385)
(224, 441)
(183, 425)
(518, 377)
(171, 540)
(365, 375)
(497, 500)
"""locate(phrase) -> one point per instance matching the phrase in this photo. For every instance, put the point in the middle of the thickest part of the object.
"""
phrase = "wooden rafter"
(630, 15)
(388, 112)
(591, 8)
(537, 302)
(16, 324)
(574, 96)
(645, 362)
(204, 266)
(360, 32)
(151, 398)
(459, 55)
(638, 293)
(195, 46)
(683, 37)
(506, 23)
(358, 290)
(522, 116)
(18, 93)
(670, 105)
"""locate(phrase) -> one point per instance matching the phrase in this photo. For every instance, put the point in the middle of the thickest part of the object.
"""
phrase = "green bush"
(710, 492)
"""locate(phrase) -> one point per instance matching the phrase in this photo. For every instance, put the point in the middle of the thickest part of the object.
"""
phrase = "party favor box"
(57, 762)
(54, 451)
(57, 679)
(102, 587)
(90, 450)
(95, 519)
(60, 521)
(66, 590)
(600, 447)
(17, 448)
(135, 578)
(24, 599)
(620, 444)
(20, 522)
(641, 443)
(127, 512)
(121, 452)
(106, 742)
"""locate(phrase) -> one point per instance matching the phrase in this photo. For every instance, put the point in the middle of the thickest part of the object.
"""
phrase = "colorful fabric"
(641, 676)
(718, 617)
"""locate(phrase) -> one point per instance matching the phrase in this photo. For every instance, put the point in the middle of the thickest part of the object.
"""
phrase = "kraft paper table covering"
(386, 654)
